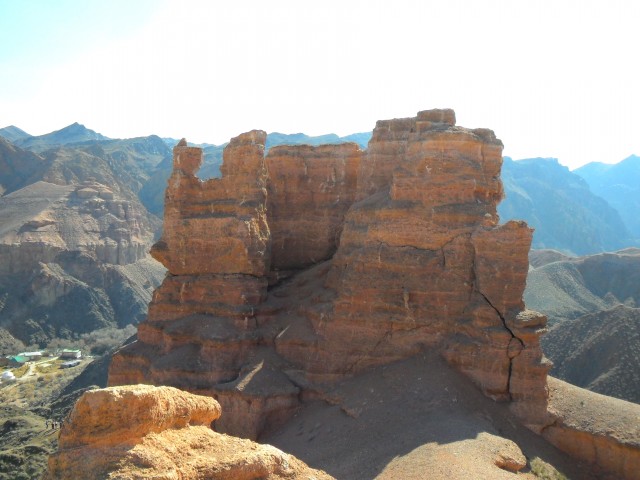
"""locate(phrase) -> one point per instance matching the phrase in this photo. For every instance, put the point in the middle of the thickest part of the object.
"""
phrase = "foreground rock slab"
(598, 429)
(140, 431)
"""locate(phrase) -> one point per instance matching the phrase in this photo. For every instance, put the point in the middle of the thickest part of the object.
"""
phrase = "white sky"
(551, 78)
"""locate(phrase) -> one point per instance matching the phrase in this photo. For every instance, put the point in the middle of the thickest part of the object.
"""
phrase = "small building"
(70, 353)
(17, 361)
(30, 356)
(8, 376)
(70, 363)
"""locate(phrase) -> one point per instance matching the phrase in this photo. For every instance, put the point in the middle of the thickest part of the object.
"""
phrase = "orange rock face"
(231, 210)
(310, 191)
(402, 251)
(142, 431)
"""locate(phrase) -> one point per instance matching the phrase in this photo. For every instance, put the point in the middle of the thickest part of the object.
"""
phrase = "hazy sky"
(551, 78)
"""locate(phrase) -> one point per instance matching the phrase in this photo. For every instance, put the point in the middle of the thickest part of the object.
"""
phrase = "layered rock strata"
(405, 255)
(160, 432)
(310, 191)
(73, 259)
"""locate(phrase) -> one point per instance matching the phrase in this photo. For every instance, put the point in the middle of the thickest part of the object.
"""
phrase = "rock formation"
(161, 432)
(414, 259)
(599, 430)
(310, 191)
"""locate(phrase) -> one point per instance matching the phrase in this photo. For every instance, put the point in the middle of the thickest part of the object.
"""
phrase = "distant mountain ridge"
(276, 138)
(560, 206)
(618, 184)
(71, 134)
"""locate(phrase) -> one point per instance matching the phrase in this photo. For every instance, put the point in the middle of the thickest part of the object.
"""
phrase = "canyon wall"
(73, 259)
(395, 249)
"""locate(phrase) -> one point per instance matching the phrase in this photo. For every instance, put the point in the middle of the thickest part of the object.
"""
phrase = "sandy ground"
(417, 419)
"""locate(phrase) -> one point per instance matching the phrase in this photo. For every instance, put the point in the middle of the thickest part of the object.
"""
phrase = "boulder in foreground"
(140, 431)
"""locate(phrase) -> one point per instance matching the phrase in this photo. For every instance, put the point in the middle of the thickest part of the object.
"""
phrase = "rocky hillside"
(594, 339)
(599, 351)
(75, 153)
(569, 287)
(560, 206)
(74, 239)
(73, 259)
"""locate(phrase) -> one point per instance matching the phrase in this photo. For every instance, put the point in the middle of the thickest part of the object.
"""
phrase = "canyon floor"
(418, 419)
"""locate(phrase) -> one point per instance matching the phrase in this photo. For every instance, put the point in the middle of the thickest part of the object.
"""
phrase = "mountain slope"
(599, 351)
(18, 167)
(573, 287)
(73, 259)
(74, 237)
(618, 184)
(558, 204)
(594, 334)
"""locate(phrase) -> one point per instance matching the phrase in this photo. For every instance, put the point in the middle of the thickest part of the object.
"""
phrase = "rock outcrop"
(160, 432)
(413, 257)
(600, 430)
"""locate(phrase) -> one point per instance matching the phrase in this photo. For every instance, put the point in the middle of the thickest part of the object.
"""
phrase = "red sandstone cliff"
(402, 252)
(418, 261)
(310, 191)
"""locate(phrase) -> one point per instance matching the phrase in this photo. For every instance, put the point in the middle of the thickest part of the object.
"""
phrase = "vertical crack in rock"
(513, 337)
(505, 326)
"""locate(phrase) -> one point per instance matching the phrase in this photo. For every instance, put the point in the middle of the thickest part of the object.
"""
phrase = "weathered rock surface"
(423, 263)
(310, 191)
(231, 210)
(202, 331)
(600, 430)
(142, 431)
